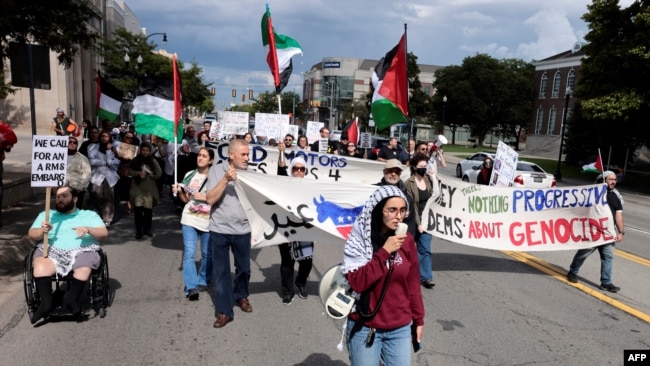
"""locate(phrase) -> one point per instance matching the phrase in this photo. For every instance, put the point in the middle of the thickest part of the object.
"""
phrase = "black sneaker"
(193, 294)
(287, 299)
(609, 287)
(572, 277)
(302, 291)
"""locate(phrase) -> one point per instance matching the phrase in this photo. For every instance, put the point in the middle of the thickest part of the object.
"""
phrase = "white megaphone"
(334, 293)
(441, 141)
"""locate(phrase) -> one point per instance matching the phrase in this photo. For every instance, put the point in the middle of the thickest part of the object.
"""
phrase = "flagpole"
(408, 139)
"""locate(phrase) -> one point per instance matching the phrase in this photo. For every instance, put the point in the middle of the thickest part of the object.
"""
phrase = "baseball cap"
(393, 163)
(59, 110)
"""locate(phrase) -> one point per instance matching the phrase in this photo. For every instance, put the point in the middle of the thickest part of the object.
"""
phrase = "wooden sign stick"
(48, 197)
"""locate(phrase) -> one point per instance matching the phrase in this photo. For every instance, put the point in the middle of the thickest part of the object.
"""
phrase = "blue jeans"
(393, 346)
(606, 252)
(191, 278)
(224, 294)
(424, 256)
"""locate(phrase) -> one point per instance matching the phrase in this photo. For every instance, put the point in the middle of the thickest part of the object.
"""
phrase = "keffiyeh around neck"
(358, 248)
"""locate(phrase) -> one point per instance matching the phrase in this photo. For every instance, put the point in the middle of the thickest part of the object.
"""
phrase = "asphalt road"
(488, 308)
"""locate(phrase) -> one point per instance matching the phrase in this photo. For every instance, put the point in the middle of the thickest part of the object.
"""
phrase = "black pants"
(286, 270)
(143, 217)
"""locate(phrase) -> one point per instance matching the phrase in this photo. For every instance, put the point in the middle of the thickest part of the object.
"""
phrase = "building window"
(571, 80)
(556, 85)
(427, 89)
(551, 121)
(539, 121)
(543, 86)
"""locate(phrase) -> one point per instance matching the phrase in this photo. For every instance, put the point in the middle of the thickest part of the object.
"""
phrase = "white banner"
(49, 161)
(520, 219)
(326, 167)
(283, 209)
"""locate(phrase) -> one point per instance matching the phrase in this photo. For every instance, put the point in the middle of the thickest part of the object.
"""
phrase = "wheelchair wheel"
(31, 295)
(103, 285)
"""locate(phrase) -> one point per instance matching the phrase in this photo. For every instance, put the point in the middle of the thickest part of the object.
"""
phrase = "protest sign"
(313, 131)
(49, 161)
(232, 123)
(365, 141)
(505, 166)
(270, 125)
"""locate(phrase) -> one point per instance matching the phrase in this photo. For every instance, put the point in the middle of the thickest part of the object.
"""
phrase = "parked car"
(528, 175)
(474, 160)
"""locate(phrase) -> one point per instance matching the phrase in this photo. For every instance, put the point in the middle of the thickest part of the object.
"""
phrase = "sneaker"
(302, 291)
(609, 287)
(571, 277)
(193, 294)
(428, 284)
(287, 299)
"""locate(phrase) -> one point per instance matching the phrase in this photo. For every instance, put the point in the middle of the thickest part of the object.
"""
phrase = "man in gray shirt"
(229, 229)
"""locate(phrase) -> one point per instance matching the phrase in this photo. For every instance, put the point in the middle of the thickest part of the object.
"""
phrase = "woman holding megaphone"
(380, 263)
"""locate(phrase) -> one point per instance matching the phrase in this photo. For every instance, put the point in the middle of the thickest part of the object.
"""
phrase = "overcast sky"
(224, 37)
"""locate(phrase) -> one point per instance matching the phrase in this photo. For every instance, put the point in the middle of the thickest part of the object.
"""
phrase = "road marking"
(560, 275)
(632, 257)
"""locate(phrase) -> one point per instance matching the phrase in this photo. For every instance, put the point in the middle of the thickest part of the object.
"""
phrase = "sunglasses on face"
(72, 142)
(300, 169)
(393, 171)
(351, 145)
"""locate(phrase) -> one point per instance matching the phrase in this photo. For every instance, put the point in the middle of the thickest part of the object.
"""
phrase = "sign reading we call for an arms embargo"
(49, 161)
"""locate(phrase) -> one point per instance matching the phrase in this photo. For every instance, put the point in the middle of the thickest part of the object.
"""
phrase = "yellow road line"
(632, 257)
(560, 275)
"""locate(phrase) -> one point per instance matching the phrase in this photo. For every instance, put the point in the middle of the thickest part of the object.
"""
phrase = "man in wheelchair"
(73, 237)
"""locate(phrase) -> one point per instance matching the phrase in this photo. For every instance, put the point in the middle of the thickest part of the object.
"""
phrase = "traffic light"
(234, 93)
(250, 94)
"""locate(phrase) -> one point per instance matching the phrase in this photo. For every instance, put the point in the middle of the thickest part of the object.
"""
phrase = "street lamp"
(444, 105)
(558, 172)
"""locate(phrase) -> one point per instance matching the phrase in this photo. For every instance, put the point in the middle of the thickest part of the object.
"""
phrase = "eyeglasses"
(351, 145)
(300, 169)
(72, 142)
(393, 211)
(288, 140)
(393, 171)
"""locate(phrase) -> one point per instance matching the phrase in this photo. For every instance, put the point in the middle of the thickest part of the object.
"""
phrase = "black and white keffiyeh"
(358, 248)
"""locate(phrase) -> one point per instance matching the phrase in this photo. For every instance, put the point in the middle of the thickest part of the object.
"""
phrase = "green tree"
(486, 95)
(195, 90)
(612, 90)
(59, 25)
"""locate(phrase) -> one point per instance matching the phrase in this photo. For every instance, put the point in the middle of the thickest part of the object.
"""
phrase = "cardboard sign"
(127, 151)
(271, 125)
(233, 123)
(313, 131)
(365, 141)
(49, 161)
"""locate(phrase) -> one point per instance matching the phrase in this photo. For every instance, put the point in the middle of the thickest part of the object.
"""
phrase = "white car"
(474, 160)
(528, 175)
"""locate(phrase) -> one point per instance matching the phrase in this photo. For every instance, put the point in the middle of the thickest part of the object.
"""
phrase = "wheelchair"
(97, 288)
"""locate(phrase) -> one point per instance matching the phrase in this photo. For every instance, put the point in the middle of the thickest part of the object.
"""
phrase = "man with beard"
(79, 170)
(73, 237)
(393, 177)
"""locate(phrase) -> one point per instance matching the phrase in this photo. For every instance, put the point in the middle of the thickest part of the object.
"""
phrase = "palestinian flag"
(109, 100)
(157, 108)
(595, 167)
(390, 99)
(279, 51)
(351, 129)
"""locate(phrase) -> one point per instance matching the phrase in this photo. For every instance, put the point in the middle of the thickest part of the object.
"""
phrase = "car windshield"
(529, 168)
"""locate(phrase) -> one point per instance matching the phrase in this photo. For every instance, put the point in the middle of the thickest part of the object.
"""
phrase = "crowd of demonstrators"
(143, 193)
(483, 176)
(297, 169)
(420, 187)
(229, 230)
(606, 251)
(195, 221)
(73, 237)
(78, 170)
(382, 268)
(104, 163)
